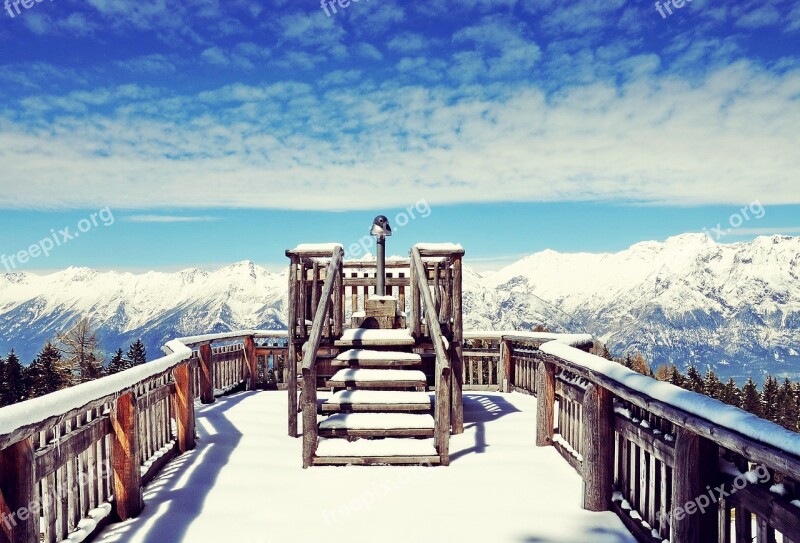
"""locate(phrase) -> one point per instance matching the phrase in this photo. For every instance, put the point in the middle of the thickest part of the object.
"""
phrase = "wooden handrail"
(443, 370)
(434, 328)
(119, 425)
(324, 303)
(310, 348)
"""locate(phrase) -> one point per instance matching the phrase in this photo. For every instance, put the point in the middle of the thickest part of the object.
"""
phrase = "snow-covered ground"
(244, 483)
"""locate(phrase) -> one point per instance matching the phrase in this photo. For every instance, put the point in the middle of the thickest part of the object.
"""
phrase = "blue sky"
(221, 131)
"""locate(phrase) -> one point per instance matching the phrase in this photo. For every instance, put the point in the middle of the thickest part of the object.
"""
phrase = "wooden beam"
(457, 360)
(507, 368)
(310, 429)
(125, 457)
(20, 524)
(206, 374)
(695, 468)
(598, 447)
(251, 362)
(545, 398)
(291, 384)
(184, 407)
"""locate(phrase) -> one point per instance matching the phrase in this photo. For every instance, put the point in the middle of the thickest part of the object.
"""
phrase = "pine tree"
(694, 381)
(3, 383)
(47, 373)
(787, 406)
(15, 388)
(137, 354)
(712, 386)
(731, 393)
(80, 350)
(117, 363)
(769, 399)
(751, 399)
(676, 377)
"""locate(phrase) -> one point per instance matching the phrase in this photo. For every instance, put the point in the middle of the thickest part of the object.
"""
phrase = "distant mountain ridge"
(686, 300)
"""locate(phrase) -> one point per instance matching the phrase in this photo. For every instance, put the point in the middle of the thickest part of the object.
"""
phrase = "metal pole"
(380, 285)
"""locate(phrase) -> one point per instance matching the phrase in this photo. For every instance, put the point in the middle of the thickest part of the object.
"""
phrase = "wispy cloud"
(168, 218)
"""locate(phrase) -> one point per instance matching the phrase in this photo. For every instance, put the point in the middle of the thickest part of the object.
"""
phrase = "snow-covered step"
(383, 359)
(377, 401)
(376, 378)
(377, 425)
(358, 337)
(339, 452)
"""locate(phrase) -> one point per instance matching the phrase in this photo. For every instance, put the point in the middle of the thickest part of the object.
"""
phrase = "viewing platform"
(469, 435)
(243, 483)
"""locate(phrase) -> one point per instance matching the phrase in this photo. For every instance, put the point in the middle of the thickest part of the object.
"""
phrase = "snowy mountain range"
(735, 307)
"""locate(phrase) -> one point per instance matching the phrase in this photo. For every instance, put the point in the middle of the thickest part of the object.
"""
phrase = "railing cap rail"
(439, 249)
(314, 249)
(230, 336)
(573, 340)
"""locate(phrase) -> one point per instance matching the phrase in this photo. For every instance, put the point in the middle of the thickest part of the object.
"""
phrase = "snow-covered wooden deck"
(244, 483)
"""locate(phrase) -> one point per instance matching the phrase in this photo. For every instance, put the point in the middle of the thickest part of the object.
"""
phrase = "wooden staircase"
(380, 411)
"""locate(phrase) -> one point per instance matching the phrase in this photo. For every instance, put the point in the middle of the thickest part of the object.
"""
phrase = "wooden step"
(377, 401)
(376, 378)
(377, 425)
(365, 358)
(369, 452)
(362, 337)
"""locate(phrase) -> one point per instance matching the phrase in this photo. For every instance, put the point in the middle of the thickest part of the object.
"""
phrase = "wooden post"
(290, 361)
(125, 457)
(457, 360)
(310, 429)
(416, 306)
(251, 362)
(696, 465)
(505, 363)
(338, 302)
(598, 446)
(545, 401)
(206, 374)
(20, 524)
(291, 382)
(442, 432)
(184, 407)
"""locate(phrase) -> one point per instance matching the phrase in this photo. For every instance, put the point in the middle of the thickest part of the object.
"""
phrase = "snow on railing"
(660, 449)
(101, 441)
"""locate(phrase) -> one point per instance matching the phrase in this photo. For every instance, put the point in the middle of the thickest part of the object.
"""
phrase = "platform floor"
(244, 484)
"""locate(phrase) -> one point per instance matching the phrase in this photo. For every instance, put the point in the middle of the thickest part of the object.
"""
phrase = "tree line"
(72, 358)
(777, 401)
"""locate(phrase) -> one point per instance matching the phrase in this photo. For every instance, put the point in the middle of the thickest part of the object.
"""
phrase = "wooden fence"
(74, 459)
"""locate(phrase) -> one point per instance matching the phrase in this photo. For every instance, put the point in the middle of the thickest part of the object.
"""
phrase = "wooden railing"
(311, 347)
(441, 346)
(672, 464)
(71, 460)
(668, 461)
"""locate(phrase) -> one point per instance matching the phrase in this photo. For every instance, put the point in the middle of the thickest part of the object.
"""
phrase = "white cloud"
(168, 218)
(728, 138)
